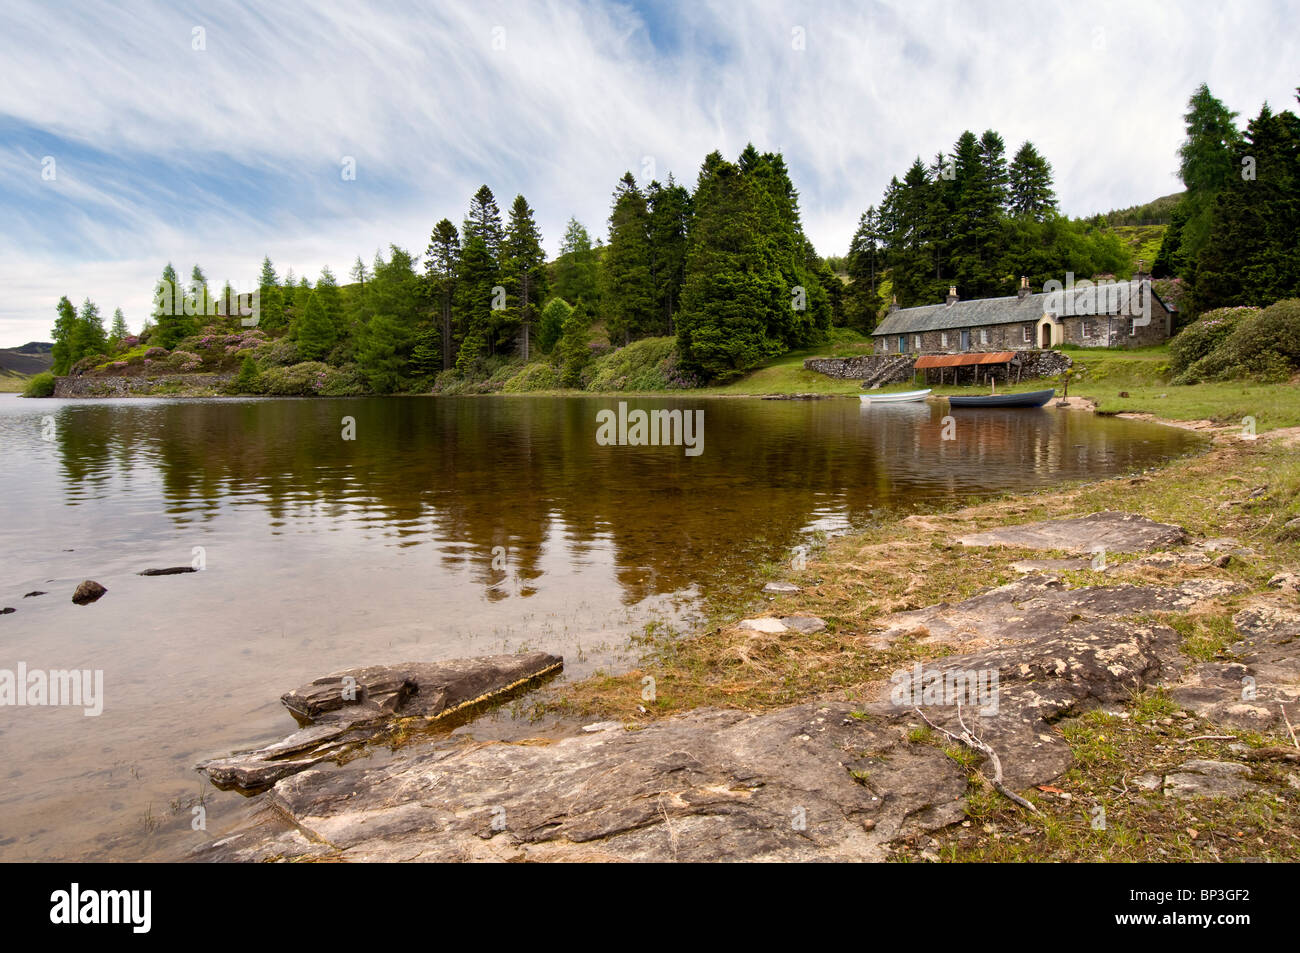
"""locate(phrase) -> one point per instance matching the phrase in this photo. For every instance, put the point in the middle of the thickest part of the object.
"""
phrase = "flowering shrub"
(155, 353)
(1264, 345)
(1196, 341)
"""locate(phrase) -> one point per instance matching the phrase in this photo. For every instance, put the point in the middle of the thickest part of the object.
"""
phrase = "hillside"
(31, 358)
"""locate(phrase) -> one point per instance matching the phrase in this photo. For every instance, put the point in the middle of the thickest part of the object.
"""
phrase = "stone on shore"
(1209, 779)
(88, 592)
(169, 571)
(780, 587)
(1112, 531)
(764, 624)
(341, 712)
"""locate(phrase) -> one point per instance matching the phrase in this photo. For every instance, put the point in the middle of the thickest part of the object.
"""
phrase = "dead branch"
(969, 739)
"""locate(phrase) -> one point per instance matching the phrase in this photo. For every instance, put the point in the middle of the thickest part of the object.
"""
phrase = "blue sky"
(221, 146)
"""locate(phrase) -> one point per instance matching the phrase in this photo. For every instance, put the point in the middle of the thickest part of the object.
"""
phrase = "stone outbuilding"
(1087, 314)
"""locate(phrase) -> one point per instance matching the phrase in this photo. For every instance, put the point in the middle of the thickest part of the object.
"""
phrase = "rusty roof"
(961, 360)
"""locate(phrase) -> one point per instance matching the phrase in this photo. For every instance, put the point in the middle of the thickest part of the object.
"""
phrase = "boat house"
(1087, 314)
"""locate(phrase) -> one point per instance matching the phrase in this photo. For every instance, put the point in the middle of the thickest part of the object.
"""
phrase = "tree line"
(972, 219)
(1234, 235)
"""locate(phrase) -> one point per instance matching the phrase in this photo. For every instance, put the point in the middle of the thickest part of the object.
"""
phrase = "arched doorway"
(1045, 333)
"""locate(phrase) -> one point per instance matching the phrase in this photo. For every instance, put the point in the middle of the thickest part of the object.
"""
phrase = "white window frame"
(916, 341)
(1083, 329)
(943, 338)
(984, 335)
(1132, 327)
(1029, 334)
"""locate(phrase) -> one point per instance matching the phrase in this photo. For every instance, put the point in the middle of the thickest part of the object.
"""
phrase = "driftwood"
(969, 739)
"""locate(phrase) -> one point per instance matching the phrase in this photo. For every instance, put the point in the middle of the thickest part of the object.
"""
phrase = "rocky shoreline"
(879, 770)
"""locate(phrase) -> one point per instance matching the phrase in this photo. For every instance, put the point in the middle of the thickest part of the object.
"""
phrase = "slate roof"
(981, 312)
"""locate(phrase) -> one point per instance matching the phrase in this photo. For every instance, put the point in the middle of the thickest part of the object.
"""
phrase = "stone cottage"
(1087, 314)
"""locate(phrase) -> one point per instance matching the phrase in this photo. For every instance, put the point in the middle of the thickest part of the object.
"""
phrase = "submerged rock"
(34, 592)
(342, 711)
(88, 592)
(170, 571)
(1112, 531)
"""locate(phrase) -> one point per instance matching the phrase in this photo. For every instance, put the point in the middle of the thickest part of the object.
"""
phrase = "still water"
(447, 527)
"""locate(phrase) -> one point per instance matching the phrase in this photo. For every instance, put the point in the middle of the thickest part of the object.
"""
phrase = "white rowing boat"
(897, 397)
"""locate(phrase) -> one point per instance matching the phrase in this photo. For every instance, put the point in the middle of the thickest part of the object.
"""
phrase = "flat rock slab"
(807, 624)
(780, 587)
(1037, 605)
(1262, 674)
(817, 781)
(342, 711)
(1209, 779)
(1112, 531)
(1051, 565)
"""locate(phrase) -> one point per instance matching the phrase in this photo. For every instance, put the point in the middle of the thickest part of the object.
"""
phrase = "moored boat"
(897, 397)
(1033, 398)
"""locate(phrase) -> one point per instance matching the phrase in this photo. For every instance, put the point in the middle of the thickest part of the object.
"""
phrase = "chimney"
(952, 294)
(1024, 287)
(893, 305)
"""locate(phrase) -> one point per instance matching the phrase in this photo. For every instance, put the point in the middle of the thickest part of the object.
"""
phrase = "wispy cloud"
(222, 154)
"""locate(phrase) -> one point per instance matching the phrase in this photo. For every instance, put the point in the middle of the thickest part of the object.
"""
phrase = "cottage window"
(1084, 329)
(916, 341)
(943, 339)
(1132, 328)
(984, 335)
(1029, 333)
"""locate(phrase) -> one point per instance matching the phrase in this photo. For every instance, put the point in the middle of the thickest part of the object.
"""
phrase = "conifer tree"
(628, 293)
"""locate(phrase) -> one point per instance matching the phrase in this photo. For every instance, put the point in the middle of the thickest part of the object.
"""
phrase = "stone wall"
(84, 386)
(871, 369)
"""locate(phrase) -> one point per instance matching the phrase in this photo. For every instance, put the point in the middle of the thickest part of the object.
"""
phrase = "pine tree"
(734, 290)
(331, 300)
(65, 327)
(484, 220)
(1208, 160)
(119, 331)
(670, 216)
(1250, 254)
(573, 351)
(197, 298)
(88, 338)
(171, 323)
(861, 300)
(475, 297)
(524, 269)
(627, 285)
(271, 299)
(315, 330)
(441, 264)
(1030, 185)
(246, 381)
(576, 269)
(384, 355)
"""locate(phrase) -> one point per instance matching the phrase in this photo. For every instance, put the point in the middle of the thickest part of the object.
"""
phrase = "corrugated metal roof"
(1116, 299)
(962, 360)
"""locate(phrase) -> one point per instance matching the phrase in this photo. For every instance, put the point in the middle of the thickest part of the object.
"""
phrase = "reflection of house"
(1108, 314)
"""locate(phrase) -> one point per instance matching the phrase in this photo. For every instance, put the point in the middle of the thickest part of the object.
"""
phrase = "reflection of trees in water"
(468, 475)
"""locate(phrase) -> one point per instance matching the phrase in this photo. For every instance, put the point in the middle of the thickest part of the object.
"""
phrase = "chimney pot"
(952, 294)
(1024, 286)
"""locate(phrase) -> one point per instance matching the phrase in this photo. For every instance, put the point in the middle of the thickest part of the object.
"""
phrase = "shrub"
(184, 361)
(344, 382)
(1204, 335)
(642, 365)
(41, 385)
(155, 353)
(536, 376)
(281, 353)
(248, 380)
(305, 379)
(1264, 345)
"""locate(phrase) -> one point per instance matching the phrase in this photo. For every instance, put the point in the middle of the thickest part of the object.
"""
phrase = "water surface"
(447, 527)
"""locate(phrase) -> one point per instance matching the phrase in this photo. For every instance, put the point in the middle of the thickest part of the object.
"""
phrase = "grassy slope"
(11, 382)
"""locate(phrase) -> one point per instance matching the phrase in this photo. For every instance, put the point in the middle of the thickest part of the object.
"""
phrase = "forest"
(688, 287)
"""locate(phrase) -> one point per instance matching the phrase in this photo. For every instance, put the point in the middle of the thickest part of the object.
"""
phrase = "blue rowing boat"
(1033, 398)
